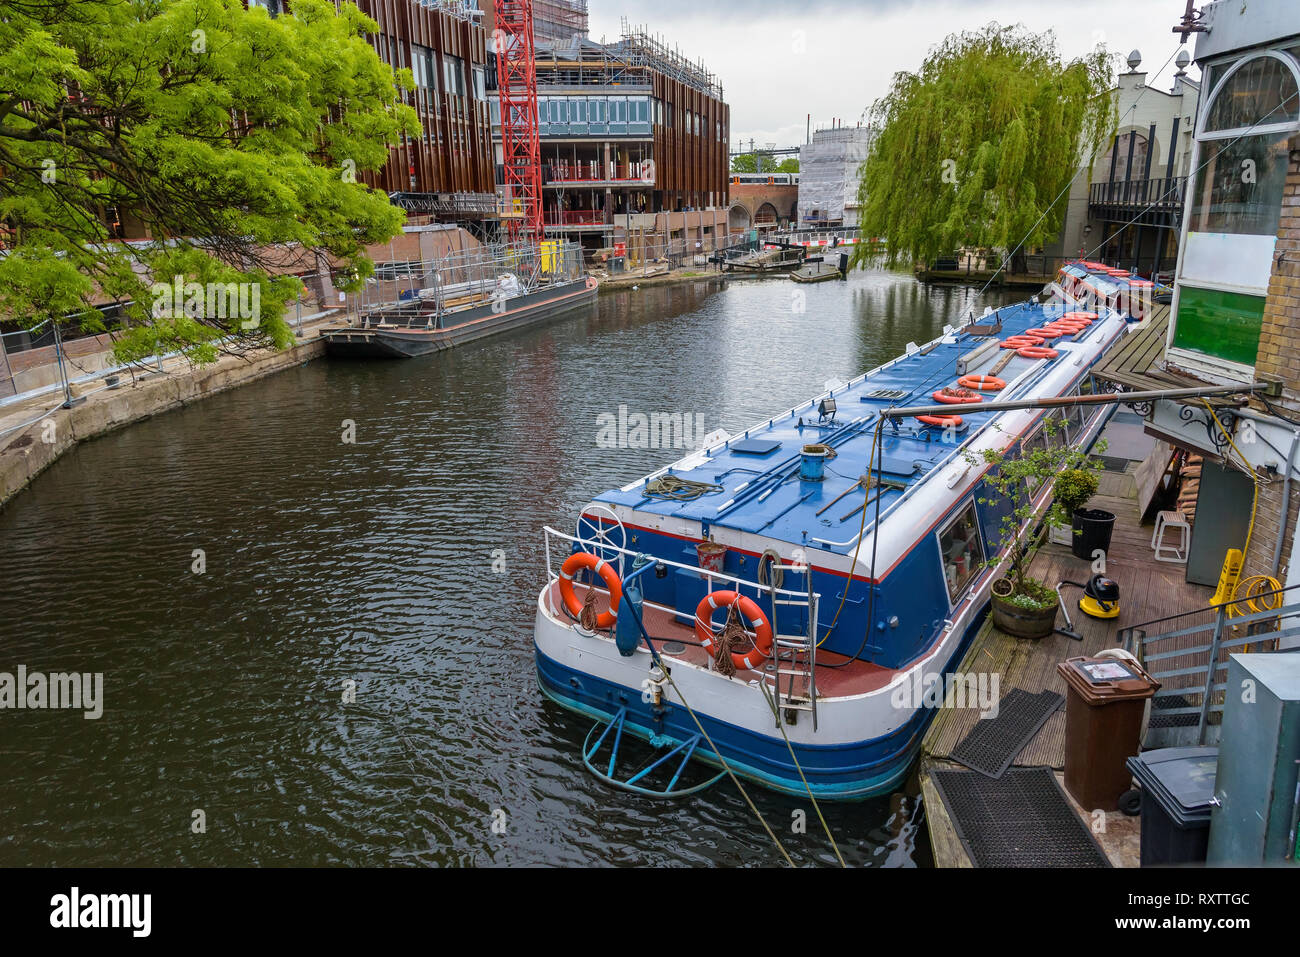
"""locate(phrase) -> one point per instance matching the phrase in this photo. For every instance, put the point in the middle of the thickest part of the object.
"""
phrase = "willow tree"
(232, 137)
(978, 147)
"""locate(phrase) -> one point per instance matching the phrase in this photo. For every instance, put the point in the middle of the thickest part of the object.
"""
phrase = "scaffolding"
(580, 61)
(558, 21)
(828, 175)
(641, 48)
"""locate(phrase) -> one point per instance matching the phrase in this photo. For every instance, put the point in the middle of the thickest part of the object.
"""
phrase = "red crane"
(517, 89)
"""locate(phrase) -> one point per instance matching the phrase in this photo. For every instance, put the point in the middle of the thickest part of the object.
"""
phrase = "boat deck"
(1148, 590)
(836, 675)
(752, 479)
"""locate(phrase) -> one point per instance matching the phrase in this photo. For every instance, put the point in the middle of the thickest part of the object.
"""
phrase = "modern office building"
(447, 172)
(633, 146)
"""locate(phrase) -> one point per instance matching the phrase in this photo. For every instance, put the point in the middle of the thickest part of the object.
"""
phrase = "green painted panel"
(1221, 324)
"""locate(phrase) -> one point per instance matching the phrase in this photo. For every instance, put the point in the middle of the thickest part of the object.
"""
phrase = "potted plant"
(1073, 489)
(1025, 606)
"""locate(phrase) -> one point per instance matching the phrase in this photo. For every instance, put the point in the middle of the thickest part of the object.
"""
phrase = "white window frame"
(1215, 368)
(954, 600)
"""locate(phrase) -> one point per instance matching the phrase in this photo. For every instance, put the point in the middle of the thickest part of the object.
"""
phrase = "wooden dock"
(1148, 590)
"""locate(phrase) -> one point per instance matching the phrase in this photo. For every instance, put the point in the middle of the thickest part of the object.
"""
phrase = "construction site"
(632, 139)
(828, 175)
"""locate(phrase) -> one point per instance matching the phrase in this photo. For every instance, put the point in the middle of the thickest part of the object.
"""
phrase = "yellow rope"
(862, 527)
(726, 767)
(816, 807)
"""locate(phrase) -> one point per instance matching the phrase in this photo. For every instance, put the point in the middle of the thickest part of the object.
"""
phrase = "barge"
(448, 302)
(773, 603)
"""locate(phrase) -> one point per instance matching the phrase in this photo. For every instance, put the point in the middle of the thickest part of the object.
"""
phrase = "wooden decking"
(1135, 364)
(1148, 590)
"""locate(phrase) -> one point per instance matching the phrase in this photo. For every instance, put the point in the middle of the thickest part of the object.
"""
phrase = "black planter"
(1092, 531)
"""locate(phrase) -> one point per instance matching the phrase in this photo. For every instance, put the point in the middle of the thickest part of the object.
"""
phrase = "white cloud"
(852, 49)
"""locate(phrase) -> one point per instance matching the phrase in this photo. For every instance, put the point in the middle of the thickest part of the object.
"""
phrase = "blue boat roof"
(755, 475)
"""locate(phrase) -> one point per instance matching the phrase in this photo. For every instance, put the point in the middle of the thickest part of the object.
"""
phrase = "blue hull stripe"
(852, 771)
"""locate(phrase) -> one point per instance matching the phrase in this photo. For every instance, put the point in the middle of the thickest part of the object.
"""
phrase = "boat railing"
(422, 292)
(801, 646)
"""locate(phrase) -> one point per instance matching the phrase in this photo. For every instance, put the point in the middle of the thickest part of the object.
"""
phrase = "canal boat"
(821, 271)
(1094, 282)
(779, 603)
(431, 306)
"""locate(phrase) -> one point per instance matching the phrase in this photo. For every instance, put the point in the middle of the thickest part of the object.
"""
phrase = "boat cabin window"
(962, 552)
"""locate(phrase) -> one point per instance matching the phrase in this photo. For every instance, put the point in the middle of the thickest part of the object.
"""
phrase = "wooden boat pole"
(1070, 401)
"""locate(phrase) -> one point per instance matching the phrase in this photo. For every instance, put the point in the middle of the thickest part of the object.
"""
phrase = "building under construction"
(554, 21)
(631, 132)
(445, 172)
(828, 175)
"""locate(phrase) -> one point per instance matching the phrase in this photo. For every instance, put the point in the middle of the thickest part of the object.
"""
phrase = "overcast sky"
(780, 60)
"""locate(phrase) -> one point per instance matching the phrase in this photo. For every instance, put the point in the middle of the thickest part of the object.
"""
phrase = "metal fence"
(1187, 654)
(423, 292)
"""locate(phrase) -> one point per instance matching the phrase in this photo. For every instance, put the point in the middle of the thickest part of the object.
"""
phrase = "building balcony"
(1157, 201)
(584, 175)
(570, 218)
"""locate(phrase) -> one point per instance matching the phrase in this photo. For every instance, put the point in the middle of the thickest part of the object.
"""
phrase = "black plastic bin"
(1092, 531)
(1177, 785)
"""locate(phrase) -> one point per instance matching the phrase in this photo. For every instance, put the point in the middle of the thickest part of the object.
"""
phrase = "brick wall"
(1279, 359)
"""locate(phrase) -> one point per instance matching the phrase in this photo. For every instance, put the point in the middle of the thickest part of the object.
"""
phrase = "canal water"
(237, 569)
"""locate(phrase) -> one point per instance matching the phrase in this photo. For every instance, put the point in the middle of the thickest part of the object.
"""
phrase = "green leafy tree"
(233, 137)
(748, 163)
(976, 149)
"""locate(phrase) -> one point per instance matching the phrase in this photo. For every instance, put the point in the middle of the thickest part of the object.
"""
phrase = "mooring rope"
(588, 618)
(679, 489)
(727, 767)
(807, 787)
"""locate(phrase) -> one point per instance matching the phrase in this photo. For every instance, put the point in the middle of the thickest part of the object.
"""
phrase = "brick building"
(1235, 316)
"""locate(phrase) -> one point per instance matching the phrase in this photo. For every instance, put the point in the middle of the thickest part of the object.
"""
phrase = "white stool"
(1165, 552)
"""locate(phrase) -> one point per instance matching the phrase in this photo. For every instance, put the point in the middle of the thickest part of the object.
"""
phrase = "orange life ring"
(983, 383)
(942, 421)
(947, 397)
(1047, 332)
(578, 561)
(762, 630)
(1087, 318)
(1037, 352)
(1020, 341)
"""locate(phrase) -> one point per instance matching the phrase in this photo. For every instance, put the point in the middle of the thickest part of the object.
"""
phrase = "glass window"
(1036, 442)
(1239, 186)
(1262, 91)
(1219, 323)
(453, 75)
(480, 83)
(962, 552)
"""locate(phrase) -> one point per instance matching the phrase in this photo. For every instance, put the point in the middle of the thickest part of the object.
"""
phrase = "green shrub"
(1074, 487)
